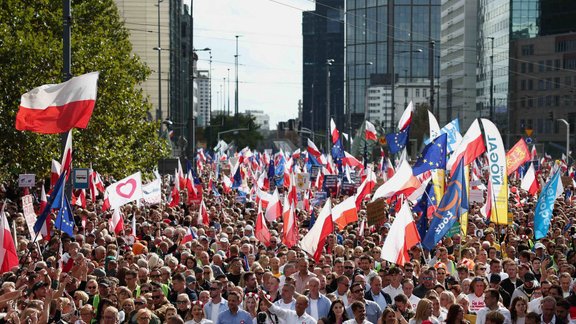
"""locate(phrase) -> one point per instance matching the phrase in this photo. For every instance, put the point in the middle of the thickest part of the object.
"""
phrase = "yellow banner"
(498, 175)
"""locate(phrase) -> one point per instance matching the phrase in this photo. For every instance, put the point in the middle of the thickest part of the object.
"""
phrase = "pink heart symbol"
(124, 191)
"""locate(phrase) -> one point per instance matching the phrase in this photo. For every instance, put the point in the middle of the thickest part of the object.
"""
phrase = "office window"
(541, 65)
(548, 65)
(530, 67)
(556, 83)
(530, 84)
(523, 85)
(527, 50)
(417, 93)
(523, 67)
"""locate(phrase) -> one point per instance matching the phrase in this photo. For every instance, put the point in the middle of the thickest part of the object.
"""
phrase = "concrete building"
(141, 19)
(459, 33)
(260, 118)
(543, 89)
(204, 98)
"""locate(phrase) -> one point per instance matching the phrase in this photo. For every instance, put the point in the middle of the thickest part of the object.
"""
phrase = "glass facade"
(371, 26)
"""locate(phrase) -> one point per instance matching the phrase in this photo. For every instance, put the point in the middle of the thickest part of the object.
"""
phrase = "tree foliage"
(222, 123)
(119, 138)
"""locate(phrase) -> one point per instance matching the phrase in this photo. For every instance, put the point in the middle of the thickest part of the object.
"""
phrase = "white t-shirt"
(476, 303)
(413, 301)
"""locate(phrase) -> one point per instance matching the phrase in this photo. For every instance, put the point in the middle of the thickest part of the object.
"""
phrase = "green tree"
(119, 138)
(221, 123)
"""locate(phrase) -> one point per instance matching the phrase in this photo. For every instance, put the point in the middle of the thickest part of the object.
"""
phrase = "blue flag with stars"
(65, 220)
(449, 209)
(54, 202)
(397, 141)
(433, 156)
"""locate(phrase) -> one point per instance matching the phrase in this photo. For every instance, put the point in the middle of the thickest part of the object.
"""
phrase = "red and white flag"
(124, 191)
(204, 213)
(403, 182)
(402, 236)
(471, 147)
(54, 173)
(57, 108)
(365, 188)
(486, 210)
(406, 117)
(345, 212)
(8, 255)
(273, 207)
(290, 237)
(188, 237)
(181, 176)
(116, 223)
(314, 240)
(534, 153)
(175, 194)
(371, 131)
(352, 161)
(530, 182)
(46, 227)
(334, 131)
(314, 151)
(66, 164)
(262, 232)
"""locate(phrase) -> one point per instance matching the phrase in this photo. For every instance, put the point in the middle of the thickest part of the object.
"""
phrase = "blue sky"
(269, 48)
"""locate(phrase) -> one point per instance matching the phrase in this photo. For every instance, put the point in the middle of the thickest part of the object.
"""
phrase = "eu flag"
(65, 220)
(54, 202)
(397, 141)
(449, 208)
(337, 151)
(433, 156)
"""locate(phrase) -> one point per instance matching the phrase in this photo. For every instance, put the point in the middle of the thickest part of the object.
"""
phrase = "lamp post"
(329, 62)
(393, 83)
(235, 130)
(492, 80)
(567, 138)
(236, 93)
(159, 49)
(431, 75)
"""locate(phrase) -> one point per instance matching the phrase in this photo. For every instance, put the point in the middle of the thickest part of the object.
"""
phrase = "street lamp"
(235, 131)
(159, 49)
(329, 62)
(567, 138)
(492, 79)
(393, 83)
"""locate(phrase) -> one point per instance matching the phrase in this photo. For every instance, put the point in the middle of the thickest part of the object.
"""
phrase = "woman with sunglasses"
(198, 314)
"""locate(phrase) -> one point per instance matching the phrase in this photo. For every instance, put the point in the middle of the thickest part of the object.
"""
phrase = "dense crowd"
(493, 274)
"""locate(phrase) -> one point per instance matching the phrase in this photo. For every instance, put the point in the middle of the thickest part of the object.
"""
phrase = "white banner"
(152, 192)
(29, 214)
(124, 191)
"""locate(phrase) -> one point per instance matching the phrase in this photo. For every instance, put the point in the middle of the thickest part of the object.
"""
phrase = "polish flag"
(204, 213)
(188, 237)
(312, 149)
(181, 177)
(175, 194)
(116, 223)
(292, 194)
(530, 182)
(57, 108)
(313, 242)
(471, 147)
(79, 198)
(8, 256)
(190, 186)
(306, 201)
(67, 156)
(290, 236)
(226, 184)
(389, 172)
(534, 153)
(352, 161)
(54, 173)
(106, 202)
(262, 183)
(47, 227)
(371, 131)
(334, 131)
(406, 117)
(365, 188)
(402, 236)
(296, 154)
(320, 179)
(486, 210)
(273, 208)
(262, 233)
(403, 182)
(345, 212)
(96, 184)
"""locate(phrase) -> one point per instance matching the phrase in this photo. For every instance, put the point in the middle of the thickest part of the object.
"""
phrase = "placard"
(81, 178)
(319, 198)
(476, 195)
(29, 214)
(26, 180)
(302, 181)
(241, 199)
(376, 212)
(331, 184)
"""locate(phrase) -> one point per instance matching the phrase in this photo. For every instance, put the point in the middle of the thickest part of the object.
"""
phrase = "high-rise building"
(323, 40)
(204, 99)
(148, 23)
(387, 40)
(459, 30)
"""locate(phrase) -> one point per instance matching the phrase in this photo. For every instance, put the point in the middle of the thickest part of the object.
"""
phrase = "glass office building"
(388, 33)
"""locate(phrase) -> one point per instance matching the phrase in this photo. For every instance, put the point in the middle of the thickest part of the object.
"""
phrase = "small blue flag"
(54, 202)
(65, 220)
(433, 156)
(545, 205)
(397, 141)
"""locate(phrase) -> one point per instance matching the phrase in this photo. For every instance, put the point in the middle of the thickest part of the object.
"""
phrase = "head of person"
(233, 300)
(401, 302)
(548, 307)
(427, 279)
(110, 315)
(359, 311)
(423, 310)
(491, 298)
(198, 310)
(337, 310)
(143, 316)
(357, 290)
(388, 316)
(495, 317)
(301, 305)
(478, 285)
(455, 314)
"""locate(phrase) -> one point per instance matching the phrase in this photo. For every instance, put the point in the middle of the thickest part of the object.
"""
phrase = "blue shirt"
(241, 317)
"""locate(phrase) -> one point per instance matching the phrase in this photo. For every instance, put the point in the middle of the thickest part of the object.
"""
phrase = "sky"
(269, 53)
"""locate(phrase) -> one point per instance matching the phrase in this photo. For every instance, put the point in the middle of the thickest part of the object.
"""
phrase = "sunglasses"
(348, 267)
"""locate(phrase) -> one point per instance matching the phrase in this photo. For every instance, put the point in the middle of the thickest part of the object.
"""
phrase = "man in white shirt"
(408, 288)
(298, 315)
(395, 287)
(217, 304)
(491, 298)
(287, 301)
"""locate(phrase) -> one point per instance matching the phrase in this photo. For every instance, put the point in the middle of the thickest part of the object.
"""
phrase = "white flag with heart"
(124, 191)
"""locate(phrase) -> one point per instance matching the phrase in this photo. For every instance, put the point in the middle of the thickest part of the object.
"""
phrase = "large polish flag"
(345, 212)
(116, 223)
(273, 207)
(403, 182)
(365, 188)
(530, 182)
(57, 108)
(402, 236)
(262, 233)
(314, 240)
(8, 256)
(471, 147)
(352, 161)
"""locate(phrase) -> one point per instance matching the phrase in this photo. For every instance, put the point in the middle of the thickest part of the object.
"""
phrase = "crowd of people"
(493, 274)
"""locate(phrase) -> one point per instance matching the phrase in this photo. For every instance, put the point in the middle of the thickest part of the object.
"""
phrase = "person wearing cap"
(527, 288)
